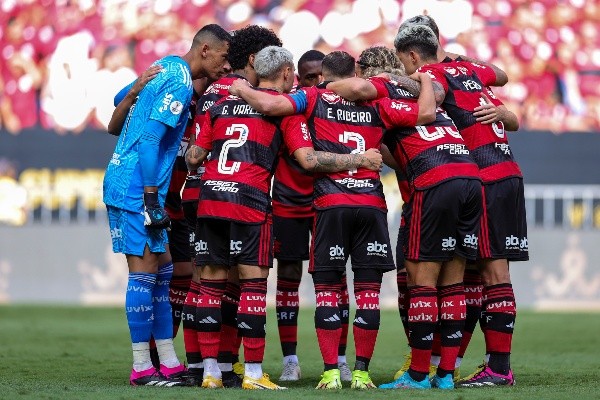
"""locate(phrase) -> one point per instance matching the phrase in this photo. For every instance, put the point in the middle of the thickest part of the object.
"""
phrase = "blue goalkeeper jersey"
(166, 99)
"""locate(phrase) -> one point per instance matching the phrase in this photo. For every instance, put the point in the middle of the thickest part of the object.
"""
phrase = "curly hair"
(247, 41)
(378, 59)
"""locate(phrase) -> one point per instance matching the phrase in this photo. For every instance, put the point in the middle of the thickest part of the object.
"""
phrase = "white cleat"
(291, 372)
(345, 372)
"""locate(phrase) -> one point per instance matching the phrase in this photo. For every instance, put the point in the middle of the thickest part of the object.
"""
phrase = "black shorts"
(503, 222)
(360, 233)
(223, 242)
(443, 221)
(399, 249)
(190, 210)
(179, 243)
(292, 238)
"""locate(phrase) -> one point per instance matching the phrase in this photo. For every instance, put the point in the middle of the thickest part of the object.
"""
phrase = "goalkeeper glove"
(155, 216)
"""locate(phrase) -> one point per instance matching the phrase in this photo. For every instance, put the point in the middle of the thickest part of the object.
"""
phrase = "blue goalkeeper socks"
(163, 318)
(138, 306)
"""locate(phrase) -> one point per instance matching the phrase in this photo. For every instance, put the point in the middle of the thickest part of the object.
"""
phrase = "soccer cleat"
(406, 382)
(362, 380)
(238, 368)
(405, 366)
(487, 377)
(345, 372)
(210, 382)
(193, 377)
(330, 380)
(264, 383)
(446, 382)
(479, 368)
(291, 372)
(151, 377)
(175, 372)
(231, 380)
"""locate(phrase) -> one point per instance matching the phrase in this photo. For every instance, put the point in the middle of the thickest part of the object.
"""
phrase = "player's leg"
(141, 248)
(229, 340)
(252, 250)
(182, 269)
(213, 260)
(292, 236)
(371, 256)
(503, 239)
(344, 305)
(327, 263)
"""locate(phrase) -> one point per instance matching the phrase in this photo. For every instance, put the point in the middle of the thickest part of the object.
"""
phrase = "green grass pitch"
(84, 353)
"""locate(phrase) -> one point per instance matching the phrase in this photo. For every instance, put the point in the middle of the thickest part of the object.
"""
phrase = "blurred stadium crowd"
(63, 60)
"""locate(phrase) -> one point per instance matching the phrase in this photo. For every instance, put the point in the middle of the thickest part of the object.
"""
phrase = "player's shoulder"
(174, 70)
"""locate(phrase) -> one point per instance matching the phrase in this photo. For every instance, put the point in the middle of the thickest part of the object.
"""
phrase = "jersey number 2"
(348, 137)
(223, 168)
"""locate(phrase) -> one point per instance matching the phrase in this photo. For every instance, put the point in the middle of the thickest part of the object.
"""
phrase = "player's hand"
(487, 113)
(416, 76)
(237, 86)
(374, 160)
(144, 78)
(155, 217)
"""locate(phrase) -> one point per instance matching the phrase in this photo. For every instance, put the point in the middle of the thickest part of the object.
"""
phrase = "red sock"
(366, 321)
(252, 318)
(190, 325)
(208, 315)
(178, 288)
(328, 322)
(287, 307)
(422, 321)
(451, 300)
(501, 313)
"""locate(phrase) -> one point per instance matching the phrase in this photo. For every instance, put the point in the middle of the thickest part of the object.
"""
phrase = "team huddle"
(222, 165)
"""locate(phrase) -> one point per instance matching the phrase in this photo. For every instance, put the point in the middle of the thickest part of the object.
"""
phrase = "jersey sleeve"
(380, 85)
(303, 100)
(396, 113)
(436, 76)
(204, 138)
(295, 132)
(171, 96)
(493, 98)
(484, 73)
(122, 93)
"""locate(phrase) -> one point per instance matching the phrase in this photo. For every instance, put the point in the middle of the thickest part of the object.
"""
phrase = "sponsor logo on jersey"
(355, 183)
(176, 107)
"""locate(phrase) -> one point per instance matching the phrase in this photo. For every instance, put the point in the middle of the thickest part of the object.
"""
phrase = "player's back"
(344, 127)
(166, 99)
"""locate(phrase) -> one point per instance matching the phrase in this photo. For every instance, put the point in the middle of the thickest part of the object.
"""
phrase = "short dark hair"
(311, 55)
(338, 64)
(247, 41)
(422, 20)
(213, 31)
(417, 38)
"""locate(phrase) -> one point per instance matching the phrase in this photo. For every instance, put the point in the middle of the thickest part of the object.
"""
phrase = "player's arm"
(354, 89)
(426, 101)
(198, 152)
(262, 102)
(126, 97)
(323, 161)
(501, 77)
(488, 113)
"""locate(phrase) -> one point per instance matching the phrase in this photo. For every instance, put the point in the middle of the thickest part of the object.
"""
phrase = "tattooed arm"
(194, 157)
(414, 87)
(323, 161)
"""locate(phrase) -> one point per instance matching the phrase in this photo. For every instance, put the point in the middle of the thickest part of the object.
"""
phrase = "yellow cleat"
(210, 382)
(264, 383)
(362, 380)
(405, 366)
(477, 371)
(330, 380)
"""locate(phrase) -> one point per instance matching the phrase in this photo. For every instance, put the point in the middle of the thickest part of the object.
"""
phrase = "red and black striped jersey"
(213, 93)
(427, 154)
(178, 176)
(244, 146)
(464, 82)
(344, 127)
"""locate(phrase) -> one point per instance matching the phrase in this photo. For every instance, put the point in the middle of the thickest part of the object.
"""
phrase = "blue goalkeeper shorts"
(130, 236)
